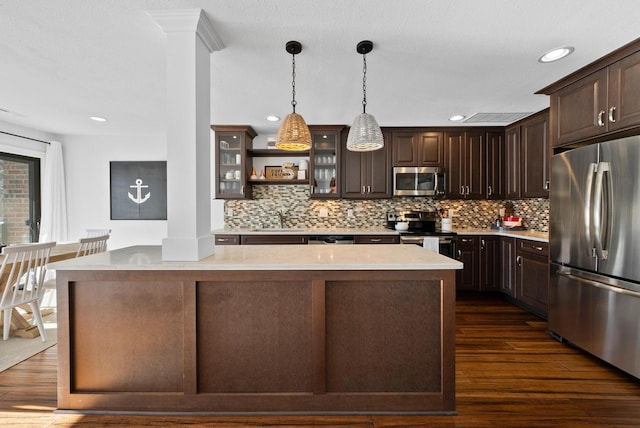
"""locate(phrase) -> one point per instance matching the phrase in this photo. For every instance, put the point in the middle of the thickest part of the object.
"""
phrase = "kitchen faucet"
(280, 218)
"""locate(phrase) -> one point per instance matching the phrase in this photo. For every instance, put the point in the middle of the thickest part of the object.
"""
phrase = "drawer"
(227, 239)
(274, 239)
(376, 239)
(466, 241)
(533, 247)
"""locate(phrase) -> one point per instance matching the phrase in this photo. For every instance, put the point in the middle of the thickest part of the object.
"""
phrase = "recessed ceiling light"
(272, 118)
(556, 54)
(98, 118)
(456, 118)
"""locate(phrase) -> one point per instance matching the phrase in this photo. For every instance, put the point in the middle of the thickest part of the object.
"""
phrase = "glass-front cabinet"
(324, 165)
(232, 168)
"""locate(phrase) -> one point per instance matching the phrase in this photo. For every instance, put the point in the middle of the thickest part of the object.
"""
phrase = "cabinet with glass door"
(324, 165)
(232, 167)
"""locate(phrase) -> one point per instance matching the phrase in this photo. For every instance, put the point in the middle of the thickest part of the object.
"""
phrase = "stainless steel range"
(421, 224)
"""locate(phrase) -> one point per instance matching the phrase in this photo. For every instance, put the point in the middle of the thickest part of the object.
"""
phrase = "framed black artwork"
(138, 190)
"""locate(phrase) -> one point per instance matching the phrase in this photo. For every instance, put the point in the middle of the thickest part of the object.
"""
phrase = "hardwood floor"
(509, 373)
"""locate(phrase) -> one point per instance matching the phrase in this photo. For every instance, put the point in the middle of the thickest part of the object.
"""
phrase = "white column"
(190, 42)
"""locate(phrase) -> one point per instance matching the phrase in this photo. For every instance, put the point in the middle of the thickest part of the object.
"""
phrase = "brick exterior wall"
(14, 205)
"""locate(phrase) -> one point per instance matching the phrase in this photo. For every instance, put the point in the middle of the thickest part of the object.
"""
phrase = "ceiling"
(62, 61)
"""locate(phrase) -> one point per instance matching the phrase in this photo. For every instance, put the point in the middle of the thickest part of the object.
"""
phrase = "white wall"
(86, 162)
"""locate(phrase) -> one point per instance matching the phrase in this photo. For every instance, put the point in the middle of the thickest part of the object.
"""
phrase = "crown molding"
(188, 20)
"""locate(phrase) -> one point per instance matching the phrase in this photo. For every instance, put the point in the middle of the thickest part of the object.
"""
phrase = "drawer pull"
(376, 239)
(537, 248)
(223, 239)
(467, 239)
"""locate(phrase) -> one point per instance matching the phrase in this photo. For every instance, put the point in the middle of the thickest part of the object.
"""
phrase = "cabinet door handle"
(489, 191)
(482, 243)
(242, 189)
(612, 118)
(459, 254)
(467, 191)
(519, 260)
(547, 185)
(363, 189)
(601, 118)
(368, 189)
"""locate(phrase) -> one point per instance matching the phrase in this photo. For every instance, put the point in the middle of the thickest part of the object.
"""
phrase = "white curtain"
(53, 223)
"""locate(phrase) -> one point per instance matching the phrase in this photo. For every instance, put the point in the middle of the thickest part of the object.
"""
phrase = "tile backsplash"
(300, 211)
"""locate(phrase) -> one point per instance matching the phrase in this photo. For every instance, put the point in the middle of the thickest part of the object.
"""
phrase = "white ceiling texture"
(62, 61)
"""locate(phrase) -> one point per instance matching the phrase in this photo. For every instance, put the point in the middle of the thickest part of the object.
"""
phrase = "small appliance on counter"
(421, 224)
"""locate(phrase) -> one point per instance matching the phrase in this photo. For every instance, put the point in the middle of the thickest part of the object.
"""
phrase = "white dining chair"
(87, 246)
(22, 276)
(97, 232)
(92, 245)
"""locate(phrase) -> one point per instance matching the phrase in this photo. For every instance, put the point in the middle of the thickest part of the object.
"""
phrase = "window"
(19, 199)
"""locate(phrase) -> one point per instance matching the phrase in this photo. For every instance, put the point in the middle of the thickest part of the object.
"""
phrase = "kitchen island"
(258, 329)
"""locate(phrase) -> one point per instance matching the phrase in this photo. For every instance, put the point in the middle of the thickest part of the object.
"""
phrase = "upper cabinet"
(324, 165)
(465, 164)
(416, 148)
(367, 175)
(495, 165)
(599, 99)
(232, 168)
(527, 158)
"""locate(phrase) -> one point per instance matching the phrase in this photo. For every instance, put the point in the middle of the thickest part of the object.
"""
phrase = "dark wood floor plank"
(509, 373)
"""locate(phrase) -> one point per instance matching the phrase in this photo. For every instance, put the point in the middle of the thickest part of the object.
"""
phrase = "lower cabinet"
(227, 239)
(532, 275)
(376, 239)
(508, 266)
(479, 254)
(274, 239)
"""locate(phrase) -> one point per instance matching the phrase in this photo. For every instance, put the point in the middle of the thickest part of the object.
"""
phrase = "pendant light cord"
(293, 81)
(364, 83)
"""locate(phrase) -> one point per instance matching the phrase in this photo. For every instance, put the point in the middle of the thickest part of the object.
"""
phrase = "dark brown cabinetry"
(508, 266)
(495, 164)
(416, 148)
(324, 161)
(598, 99)
(479, 254)
(376, 239)
(367, 175)
(527, 158)
(274, 239)
(532, 275)
(232, 167)
(223, 239)
(465, 163)
(489, 262)
(468, 248)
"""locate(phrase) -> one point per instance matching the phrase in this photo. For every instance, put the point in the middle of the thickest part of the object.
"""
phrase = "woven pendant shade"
(293, 134)
(365, 134)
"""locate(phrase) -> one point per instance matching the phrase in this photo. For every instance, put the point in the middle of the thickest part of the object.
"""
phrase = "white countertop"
(307, 231)
(271, 257)
(522, 234)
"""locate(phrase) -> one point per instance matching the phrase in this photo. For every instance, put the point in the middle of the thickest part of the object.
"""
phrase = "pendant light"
(365, 134)
(294, 133)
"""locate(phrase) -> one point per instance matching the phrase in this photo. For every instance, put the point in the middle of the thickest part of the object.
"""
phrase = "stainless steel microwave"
(418, 181)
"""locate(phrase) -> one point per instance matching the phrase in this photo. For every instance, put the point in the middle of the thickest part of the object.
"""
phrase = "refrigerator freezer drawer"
(597, 317)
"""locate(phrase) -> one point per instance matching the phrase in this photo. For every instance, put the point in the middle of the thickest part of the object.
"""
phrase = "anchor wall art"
(138, 190)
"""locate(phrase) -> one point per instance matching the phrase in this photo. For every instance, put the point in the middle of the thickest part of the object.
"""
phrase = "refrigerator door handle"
(601, 251)
(588, 208)
(598, 284)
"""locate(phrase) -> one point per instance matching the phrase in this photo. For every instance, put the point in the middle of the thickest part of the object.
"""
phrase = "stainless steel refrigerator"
(594, 293)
